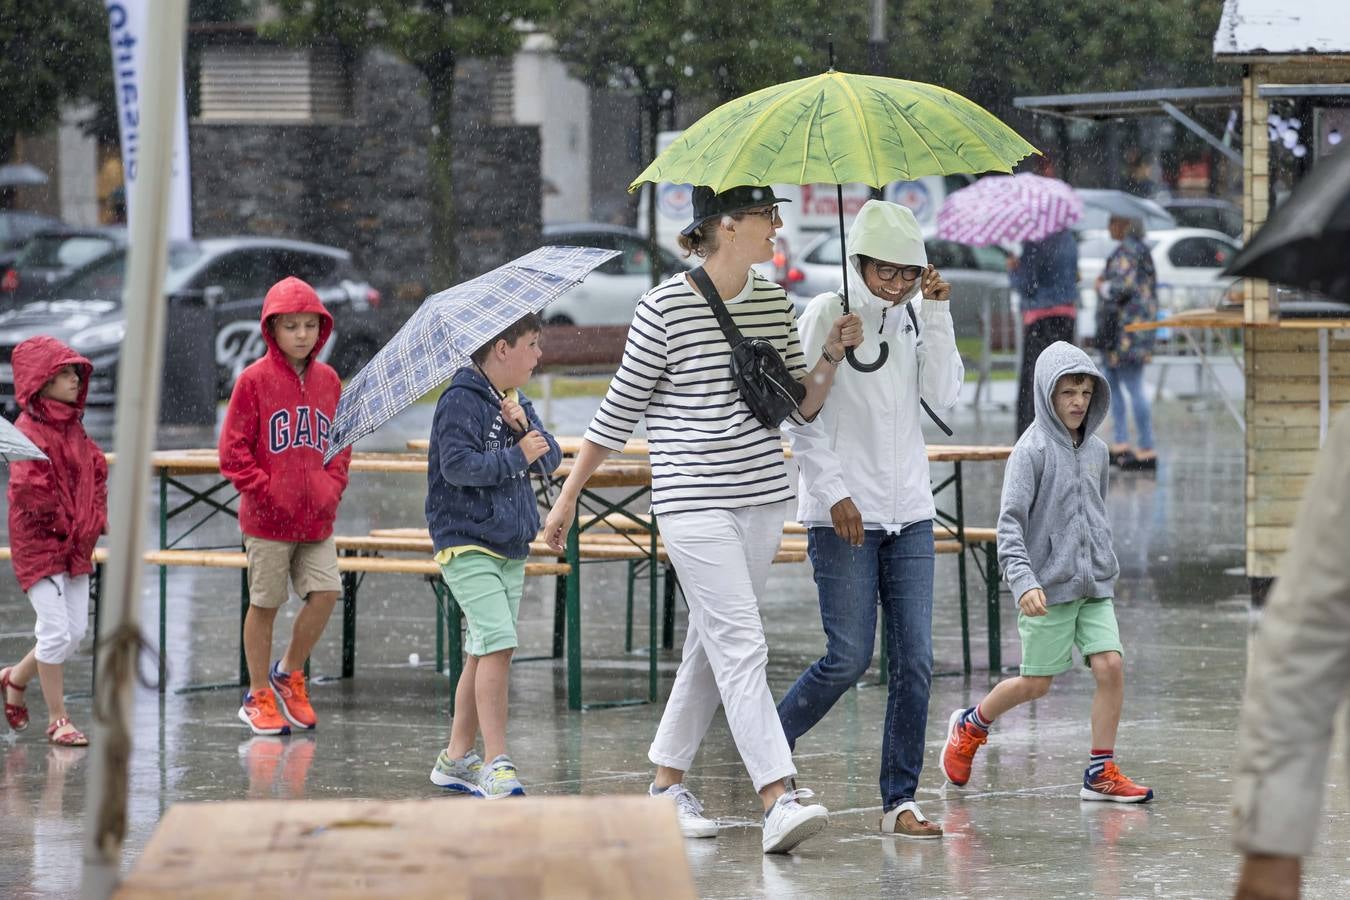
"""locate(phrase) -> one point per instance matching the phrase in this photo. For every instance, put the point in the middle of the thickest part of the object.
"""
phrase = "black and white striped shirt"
(707, 450)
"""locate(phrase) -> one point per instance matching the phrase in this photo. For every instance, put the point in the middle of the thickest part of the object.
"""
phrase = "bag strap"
(914, 320)
(719, 308)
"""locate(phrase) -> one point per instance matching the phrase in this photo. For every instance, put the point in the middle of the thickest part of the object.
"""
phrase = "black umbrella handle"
(843, 259)
(868, 367)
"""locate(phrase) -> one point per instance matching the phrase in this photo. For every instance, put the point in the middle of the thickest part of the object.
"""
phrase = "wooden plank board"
(1276, 487)
(1271, 437)
(542, 847)
(1300, 390)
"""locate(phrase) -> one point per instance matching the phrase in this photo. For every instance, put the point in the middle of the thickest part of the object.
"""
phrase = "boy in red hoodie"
(57, 509)
(271, 449)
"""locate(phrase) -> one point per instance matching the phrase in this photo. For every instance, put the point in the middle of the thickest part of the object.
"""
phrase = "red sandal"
(72, 738)
(16, 714)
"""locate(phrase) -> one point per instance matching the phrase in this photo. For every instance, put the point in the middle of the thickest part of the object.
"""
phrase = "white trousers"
(62, 606)
(722, 558)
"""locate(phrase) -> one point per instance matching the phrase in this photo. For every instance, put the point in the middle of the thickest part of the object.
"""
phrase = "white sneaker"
(693, 824)
(788, 823)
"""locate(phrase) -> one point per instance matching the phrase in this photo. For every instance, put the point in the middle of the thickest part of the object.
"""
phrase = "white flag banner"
(127, 25)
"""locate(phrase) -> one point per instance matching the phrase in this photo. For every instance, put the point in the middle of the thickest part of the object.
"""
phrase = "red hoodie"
(58, 508)
(276, 432)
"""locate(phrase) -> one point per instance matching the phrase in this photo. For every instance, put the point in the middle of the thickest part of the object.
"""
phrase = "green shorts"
(1048, 641)
(488, 590)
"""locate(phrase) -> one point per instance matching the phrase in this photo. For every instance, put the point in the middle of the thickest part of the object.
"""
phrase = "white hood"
(884, 231)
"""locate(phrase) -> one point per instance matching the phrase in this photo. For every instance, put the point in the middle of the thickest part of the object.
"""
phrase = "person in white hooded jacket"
(866, 499)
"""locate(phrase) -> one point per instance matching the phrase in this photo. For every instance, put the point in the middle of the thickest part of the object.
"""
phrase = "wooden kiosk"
(1295, 58)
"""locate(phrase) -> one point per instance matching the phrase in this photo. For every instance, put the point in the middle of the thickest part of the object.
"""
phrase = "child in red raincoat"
(57, 510)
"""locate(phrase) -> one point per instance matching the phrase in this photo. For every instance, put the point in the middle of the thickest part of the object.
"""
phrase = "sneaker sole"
(281, 705)
(806, 828)
(267, 732)
(942, 759)
(700, 831)
(516, 792)
(454, 785)
(1085, 794)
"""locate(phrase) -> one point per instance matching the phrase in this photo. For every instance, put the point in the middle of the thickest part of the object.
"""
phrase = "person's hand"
(934, 288)
(1266, 877)
(1013, 262)
(1032, 603)
(558, 522)
(514, 415)
(845, 332)
(533, 445)
(848, 523)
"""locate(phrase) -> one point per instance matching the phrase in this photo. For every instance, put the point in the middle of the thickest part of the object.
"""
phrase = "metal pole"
(137, 415)
(876, 39)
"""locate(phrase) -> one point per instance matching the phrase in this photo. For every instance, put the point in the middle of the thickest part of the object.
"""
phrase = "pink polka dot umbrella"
(1008, 208)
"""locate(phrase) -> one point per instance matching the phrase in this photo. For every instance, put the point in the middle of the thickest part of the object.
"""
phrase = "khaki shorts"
(310, 567)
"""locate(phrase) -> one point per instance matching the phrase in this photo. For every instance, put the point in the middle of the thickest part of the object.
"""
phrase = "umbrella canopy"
(835, 128)
(15, 445)
(1126, 206)
(1008, 208)
(21, 175)
(1304, 242)
(438, 339)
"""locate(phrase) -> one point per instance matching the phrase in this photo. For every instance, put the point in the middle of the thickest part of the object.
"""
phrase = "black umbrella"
(1306, 241)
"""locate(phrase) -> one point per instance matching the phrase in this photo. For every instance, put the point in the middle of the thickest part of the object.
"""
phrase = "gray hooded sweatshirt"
(1053, 532)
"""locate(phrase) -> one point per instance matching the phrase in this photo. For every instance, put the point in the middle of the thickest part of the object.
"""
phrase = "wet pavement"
(1018, 829)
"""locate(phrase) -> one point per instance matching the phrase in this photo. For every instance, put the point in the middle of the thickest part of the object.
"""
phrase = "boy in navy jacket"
(481, 509)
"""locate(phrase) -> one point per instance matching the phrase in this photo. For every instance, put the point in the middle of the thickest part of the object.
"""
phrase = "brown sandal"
(72, 738)
(921, 830)
(16, 714)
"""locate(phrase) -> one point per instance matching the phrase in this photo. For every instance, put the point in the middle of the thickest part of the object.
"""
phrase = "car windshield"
(63, 251)
(103, 279)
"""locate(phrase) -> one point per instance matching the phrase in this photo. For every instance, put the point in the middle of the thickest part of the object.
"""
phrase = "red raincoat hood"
(36, 361)
(291, 295)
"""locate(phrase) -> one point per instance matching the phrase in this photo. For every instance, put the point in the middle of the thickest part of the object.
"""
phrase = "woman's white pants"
(722, 558)
(62, 606)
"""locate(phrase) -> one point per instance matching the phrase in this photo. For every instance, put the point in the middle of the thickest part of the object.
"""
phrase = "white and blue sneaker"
(788, 822)
(499, 779)
(693, 824)
(458, 775)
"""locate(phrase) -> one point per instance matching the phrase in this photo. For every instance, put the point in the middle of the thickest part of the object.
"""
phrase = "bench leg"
(348, 624)
(440, 627)
(628, 618)
(651, 622)
(559, 613)
(992, 608)
(574, 619)
(965, 615)
(672, 582)
(244, 681)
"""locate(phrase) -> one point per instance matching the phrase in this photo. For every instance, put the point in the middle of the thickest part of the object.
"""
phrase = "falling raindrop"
(1300, 151)
(1333, 137)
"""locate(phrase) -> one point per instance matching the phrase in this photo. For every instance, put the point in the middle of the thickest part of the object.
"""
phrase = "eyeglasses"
(887, 272)
(770, 213)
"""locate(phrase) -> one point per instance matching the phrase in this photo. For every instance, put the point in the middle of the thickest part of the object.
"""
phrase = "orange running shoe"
(1111, 784)
(259, 712)
(293, 696)
(962, 741)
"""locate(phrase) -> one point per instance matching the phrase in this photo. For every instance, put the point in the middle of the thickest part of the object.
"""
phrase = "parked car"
(978, 275)
(609, 294)
(51, 255)
(16, 227)
(1206, 212)
(1189, 263)
(231, 275)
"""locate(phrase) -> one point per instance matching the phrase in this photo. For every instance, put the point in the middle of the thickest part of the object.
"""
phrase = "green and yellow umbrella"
(836, 128)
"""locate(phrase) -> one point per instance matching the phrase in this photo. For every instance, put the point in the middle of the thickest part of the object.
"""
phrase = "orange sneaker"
(259, 712)
(293, 696)
(1111, 784)
(959, 752)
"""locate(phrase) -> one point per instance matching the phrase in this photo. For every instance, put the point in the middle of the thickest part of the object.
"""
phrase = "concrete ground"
(1018, 829)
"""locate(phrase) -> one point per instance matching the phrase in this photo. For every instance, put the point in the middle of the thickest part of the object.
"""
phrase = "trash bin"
(188, 390)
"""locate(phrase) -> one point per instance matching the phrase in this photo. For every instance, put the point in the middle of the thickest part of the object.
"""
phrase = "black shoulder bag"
(759, 372)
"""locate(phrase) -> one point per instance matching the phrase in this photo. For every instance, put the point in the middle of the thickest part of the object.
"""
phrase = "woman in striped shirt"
(719, 492)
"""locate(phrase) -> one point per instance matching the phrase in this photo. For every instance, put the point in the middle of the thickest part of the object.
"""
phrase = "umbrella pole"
(137, 412)
(843, 263)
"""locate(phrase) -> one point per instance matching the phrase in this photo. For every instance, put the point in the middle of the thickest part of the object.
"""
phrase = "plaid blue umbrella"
(450, 325)
(15, 445)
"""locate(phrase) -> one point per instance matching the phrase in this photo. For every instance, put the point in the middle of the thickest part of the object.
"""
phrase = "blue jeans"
(1131, 377)
(899, 569)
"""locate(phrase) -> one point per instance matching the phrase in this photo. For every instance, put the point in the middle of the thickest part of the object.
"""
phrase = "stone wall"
(362, 184)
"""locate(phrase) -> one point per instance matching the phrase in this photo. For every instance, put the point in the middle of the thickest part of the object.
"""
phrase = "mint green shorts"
(488, 590)
(1048, 641)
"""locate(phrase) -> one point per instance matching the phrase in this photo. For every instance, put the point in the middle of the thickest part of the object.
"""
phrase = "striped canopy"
(1008, 208)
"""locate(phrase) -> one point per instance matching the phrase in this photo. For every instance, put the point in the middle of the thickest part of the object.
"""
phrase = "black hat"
(708, 203)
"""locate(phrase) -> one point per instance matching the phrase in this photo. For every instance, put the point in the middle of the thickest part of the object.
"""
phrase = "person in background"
(1046, 278)
(1127, 292)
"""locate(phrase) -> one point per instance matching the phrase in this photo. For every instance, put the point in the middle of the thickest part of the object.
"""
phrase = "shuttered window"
(268, 83)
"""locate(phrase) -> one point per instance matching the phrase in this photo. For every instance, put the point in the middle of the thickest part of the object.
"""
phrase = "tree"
(50, 53)
(432, 37)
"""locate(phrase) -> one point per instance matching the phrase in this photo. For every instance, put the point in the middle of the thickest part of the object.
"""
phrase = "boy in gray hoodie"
(1054, 549)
